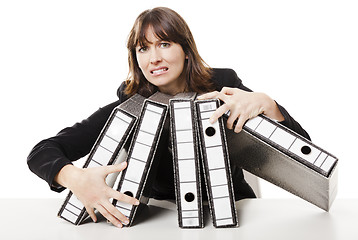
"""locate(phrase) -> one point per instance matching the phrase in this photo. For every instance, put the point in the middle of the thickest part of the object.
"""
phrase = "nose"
(155, 56)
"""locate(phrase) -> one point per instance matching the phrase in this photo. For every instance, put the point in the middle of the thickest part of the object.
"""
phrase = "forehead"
(152, 34)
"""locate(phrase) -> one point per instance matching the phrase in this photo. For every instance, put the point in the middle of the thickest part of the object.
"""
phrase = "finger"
(240, 123)
(116, 168)
(218, 113)
(116, 213)
(233, 116)
(230, 91)
(231, 120)
(122, 197)
(210, 95)
(91, 213)
(109, 216)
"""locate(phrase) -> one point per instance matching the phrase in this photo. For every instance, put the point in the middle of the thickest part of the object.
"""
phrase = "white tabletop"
(259, 219)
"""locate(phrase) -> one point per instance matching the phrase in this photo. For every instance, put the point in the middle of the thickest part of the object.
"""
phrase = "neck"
(173, 90)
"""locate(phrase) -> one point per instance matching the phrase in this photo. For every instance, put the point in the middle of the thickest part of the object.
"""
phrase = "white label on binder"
(320, 159)
(102, 155)
(109, 143)
(328, 163)
(218, 177)
(220, 191)
(185, 150)
(140, 152)
(188, 170)
(265, 128)
(132, 172)
(253, 123)
(213, 139)
(69, 215)
(215, 157)
(297, 147)
(223, 213)
(282, 138)
(184, 135)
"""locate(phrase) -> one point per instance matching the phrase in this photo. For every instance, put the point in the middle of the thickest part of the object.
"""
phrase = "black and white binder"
(186, 161)
(216, 166)
(110, 148)
(275, 153)
(142, 157)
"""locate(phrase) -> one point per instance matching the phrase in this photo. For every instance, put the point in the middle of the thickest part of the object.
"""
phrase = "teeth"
(159, 70)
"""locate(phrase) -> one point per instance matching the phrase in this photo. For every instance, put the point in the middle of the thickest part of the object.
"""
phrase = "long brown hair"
(169, 26)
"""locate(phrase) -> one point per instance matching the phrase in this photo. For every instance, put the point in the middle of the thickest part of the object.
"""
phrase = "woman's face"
(162, 63)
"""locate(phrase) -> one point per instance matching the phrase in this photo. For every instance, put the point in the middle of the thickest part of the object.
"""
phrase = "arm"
(51, 159)
(49, 156)
(245, 104)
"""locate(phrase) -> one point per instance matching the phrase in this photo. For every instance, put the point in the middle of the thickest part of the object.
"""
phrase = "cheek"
(181, 58)
(140, 61)
(177, 58)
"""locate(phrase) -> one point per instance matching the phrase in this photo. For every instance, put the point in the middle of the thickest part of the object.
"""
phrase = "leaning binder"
(216, 166)
(110, 144)
(142, 157)
(183, 122)
(275, 153)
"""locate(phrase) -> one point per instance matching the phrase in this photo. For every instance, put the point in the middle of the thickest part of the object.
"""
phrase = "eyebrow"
(148, 42)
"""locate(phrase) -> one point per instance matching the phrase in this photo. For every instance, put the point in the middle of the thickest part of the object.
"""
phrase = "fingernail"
(136, 202)
(211, 120)
(126, 222)
(119, 225)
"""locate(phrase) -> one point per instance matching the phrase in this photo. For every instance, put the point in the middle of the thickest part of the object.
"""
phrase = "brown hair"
(169, 26)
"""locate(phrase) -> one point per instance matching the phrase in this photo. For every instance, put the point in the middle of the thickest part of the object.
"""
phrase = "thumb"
(116, 168)
(210, 95)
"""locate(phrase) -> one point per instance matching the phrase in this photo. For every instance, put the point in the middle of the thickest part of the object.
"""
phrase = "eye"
(142, 49)
(164, 45)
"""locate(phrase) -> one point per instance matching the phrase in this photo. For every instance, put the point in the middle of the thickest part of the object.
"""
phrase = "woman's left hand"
(243, 106)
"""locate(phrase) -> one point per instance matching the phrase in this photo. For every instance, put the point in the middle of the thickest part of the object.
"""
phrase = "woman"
(162, 57)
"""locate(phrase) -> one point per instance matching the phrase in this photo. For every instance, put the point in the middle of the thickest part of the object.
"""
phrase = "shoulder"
(120, 92)
(225, 77)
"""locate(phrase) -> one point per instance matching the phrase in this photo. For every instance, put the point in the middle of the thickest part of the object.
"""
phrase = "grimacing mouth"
(159, 70)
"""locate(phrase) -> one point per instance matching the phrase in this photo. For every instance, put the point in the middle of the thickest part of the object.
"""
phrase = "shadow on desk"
(144, 213)
(292, 219)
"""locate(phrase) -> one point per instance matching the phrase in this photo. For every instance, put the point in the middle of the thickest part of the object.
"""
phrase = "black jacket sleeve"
(72, 143)
(228, 78)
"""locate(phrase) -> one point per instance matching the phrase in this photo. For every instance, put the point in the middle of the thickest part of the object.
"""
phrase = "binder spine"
(275, 153)
(292, 144)
(216, 166)
(186, 163)
(141, 155)
(109, 143)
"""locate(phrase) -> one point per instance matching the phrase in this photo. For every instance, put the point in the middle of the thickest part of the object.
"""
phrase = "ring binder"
(275, 153)
(137, 177)
(216, 166)
(109, 148)
(186, 163)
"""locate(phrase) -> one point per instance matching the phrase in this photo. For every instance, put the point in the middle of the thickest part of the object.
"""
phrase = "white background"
(62, 60)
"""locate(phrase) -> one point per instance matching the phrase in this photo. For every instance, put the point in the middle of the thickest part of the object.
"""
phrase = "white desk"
(267, 219)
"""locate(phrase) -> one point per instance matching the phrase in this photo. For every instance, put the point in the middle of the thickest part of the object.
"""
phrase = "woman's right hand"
(89, 186)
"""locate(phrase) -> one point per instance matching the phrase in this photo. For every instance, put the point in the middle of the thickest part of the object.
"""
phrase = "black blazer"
(72, 143)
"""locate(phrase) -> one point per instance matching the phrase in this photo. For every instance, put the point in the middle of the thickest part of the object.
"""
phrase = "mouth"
(159, 71)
